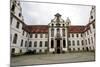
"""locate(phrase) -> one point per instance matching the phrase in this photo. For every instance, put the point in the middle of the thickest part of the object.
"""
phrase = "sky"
(42, 13)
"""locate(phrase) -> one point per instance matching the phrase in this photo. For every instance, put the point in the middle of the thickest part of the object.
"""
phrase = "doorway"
(58, 47)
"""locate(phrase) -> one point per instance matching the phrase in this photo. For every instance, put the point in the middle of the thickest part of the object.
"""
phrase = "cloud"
(42, 13)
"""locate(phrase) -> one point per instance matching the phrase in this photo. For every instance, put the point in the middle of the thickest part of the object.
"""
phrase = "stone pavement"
(52, 58)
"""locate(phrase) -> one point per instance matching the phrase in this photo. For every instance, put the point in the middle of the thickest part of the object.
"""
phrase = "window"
(78, 42)
(63, 25)
(52, 44)
(40, 50)
(21, 43)
(11, 19)
(77, 35)
(46, 43)
(69, 43)
(87, 32)
(13, 7)
(46, 35)
(81, 35)
(36, 36)
(20, 51)
(92, 39)
(78, 49)
(19, 14)
(30, 44)
(93, 25)
(26, 34)
(82, 42)
(15, 39)
(41, 35)
(35, 44)
(63, 32)
(73, 43)
(88, 40)
(23, 33)
(40, 43)
(91, 17)
(52, 25)
(52, 32)
(25, 43)
(30, 35)
(64, 43)
(17, 26)
(72, 35)
(12, 50)
(68, 35)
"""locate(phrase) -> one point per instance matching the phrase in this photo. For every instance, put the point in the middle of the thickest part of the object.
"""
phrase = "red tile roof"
(44, 28)
(76, 29)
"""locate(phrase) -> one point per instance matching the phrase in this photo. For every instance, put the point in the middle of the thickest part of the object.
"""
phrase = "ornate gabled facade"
(59, 36)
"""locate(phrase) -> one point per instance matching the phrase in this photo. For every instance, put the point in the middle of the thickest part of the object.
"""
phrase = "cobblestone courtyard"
(52, 58)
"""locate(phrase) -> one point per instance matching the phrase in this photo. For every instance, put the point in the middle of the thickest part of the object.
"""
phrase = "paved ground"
(52, 58)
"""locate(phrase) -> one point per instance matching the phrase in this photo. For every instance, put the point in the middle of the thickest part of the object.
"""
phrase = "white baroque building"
(59, 36)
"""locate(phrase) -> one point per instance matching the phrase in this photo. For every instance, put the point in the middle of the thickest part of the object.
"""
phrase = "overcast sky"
(42, 13)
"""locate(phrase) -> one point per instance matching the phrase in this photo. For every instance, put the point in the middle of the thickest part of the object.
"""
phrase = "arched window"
(40, 43)
(15, 39)
(30, 44)
(35, 44)
(21, 43)
(52, 44)
(25, 43)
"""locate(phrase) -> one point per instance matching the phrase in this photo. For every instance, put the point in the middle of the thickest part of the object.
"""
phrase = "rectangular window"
(93, 25)
(72, 35)
(88, 40)
(69, 43)
(46, 35)
(78, 42)
(23, 32)
(41, 35)
(73, 43)
(52, 32)
(17, 26)
(82, 42)
(36, 35)
(81, 35)
(46, 43)
(30, 35)
(77, 35)
(63, 32)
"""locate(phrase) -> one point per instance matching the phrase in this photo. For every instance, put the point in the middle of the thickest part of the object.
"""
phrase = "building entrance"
(58, 47)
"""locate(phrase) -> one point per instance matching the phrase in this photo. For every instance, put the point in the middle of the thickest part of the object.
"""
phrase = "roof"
(76, 29)
(44, 28)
